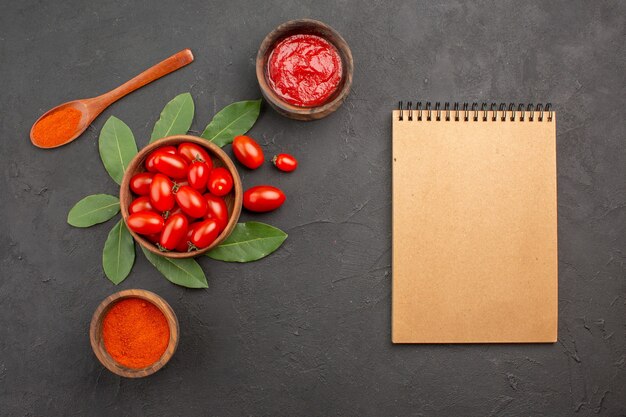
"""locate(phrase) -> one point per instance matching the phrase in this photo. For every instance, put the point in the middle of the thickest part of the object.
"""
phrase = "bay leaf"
(118, 255)
(175, 118)
(117, 147)
(233, 120)
(248, 242)
(183, 272)
(93, 209)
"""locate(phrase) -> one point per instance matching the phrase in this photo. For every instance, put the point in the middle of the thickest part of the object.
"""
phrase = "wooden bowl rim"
(284, 30)
(103, 356)
(137, 162)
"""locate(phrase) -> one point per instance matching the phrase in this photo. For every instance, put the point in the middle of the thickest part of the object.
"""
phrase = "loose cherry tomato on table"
(198, 175)
(174, 231)
(248, 151)
(220, 182)
(204, 233)
(174, 166)
(153, 156)
(140, 183)
(192, 152)
(140, 204)
(217, 210)
(161, 195)
(285, 162)
(263, 198)
(145, 222)
(191, 202)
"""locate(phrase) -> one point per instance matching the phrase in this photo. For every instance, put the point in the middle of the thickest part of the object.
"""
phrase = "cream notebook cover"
(474, 225)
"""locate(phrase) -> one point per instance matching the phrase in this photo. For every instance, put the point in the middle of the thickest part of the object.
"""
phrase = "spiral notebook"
(474, 224)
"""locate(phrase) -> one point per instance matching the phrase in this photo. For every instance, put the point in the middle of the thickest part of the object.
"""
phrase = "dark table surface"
(306, 331)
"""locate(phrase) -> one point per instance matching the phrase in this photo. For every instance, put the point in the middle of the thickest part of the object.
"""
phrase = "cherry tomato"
(140, 204)
(140, 183)
(191, 202)
(161, 195)
(192, 152)
(204, 233)
(175, 210)
(248, 152)
(263, 198)
(183, 245)
(174, 231)
(174, 166)
(152, 157)
(171, 149)
(154, 238)
(285, 162)
(217, 210)
(220, 182)
(145, 222)
(198, 175)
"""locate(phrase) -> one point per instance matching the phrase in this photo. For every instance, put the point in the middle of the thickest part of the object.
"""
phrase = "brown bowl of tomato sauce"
(304, 68)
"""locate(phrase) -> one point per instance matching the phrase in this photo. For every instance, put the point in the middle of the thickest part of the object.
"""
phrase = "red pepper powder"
(135, 333)
(57, 127)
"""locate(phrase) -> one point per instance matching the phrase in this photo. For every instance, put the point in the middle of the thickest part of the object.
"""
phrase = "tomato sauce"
(304, 70)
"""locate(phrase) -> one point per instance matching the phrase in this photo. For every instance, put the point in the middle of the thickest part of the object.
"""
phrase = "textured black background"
(306, 331)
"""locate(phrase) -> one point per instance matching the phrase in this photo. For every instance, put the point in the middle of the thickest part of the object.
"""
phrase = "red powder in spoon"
(57, 127)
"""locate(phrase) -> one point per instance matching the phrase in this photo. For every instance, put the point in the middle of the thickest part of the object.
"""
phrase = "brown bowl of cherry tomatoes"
(181, 196)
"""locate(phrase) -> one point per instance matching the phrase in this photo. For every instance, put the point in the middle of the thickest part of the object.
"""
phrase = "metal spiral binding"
(500, 112)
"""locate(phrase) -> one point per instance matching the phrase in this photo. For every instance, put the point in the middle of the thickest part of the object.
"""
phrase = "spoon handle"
(164, 67)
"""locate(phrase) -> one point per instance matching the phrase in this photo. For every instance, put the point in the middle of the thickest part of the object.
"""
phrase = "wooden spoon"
(90, 108)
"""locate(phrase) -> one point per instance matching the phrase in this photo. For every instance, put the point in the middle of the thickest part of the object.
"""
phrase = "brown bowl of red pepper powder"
(134, 333)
